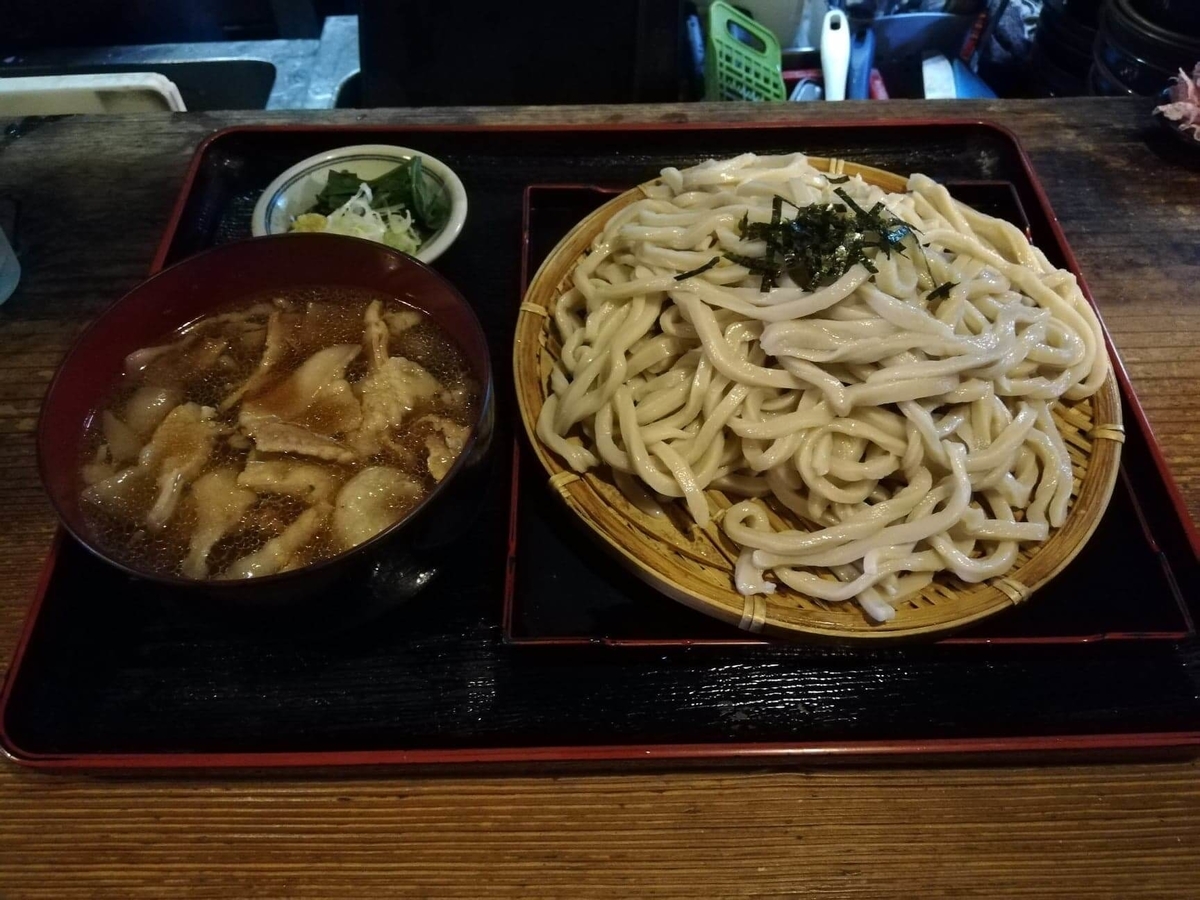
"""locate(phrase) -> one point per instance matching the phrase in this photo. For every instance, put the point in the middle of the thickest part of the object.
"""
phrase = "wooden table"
(95, 194)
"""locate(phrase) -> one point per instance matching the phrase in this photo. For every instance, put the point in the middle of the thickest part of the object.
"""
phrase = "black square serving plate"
(1104, 659)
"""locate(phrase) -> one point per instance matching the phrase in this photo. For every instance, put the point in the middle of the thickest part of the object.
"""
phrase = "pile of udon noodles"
(902, 435)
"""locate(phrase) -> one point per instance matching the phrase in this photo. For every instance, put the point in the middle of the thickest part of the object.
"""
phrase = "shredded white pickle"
(356, 218)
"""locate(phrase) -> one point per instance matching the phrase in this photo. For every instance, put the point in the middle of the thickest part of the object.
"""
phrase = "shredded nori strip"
(821, 243)
(838, 179)
(941, 292)
(700, 271)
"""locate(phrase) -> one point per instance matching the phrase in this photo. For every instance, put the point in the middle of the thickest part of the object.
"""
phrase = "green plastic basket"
(742, 60)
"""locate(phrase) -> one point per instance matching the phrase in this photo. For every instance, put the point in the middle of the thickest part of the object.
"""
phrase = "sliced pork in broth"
(178, 451)
(303, 480)
(316, 396)
(220, 504)
(392, 388)
(274, 435)
(148, 406)
(281, 552)
(370, 502)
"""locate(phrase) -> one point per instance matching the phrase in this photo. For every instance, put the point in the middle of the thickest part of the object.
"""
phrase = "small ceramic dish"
(295, 191)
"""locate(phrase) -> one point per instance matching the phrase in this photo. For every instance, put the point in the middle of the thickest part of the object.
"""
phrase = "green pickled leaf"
(394, 187)
(340, 187)
(404, 187)
(429, 202)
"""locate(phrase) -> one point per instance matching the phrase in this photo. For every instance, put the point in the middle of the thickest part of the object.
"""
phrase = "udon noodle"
(900, 419)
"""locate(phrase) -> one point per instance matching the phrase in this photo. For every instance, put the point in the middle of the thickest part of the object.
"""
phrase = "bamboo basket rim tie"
(694, 565)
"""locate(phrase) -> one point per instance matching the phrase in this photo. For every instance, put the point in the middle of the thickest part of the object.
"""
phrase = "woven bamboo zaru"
(694, 565)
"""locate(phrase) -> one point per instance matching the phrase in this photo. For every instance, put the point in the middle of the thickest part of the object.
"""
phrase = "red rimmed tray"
(119, 686)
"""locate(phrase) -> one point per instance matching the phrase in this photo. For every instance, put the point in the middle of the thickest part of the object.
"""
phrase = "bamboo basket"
(694, 565)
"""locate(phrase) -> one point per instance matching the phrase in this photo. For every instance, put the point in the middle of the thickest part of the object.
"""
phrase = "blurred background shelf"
(281, 73)
(321, 54)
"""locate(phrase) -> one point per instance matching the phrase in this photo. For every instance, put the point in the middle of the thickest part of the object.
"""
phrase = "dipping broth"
(273, 434)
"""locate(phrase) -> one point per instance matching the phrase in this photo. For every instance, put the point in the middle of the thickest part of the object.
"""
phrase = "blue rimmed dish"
(295, 191)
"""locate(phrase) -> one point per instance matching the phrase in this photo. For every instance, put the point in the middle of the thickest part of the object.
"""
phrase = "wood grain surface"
(94, 195)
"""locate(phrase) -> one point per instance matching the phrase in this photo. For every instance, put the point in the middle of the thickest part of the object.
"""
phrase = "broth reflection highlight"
(274, 434)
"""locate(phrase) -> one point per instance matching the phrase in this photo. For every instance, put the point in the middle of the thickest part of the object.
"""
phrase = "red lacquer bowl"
(215, 278)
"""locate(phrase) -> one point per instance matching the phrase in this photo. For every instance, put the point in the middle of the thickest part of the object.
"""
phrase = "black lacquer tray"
(533, 646)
